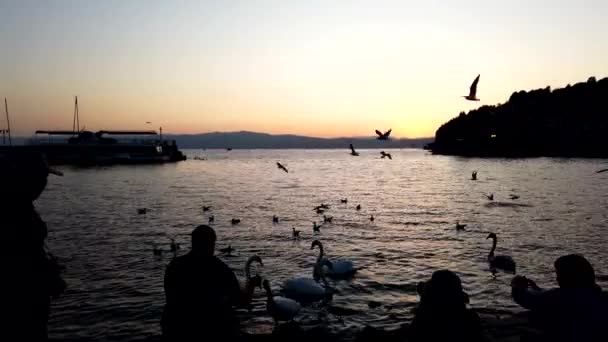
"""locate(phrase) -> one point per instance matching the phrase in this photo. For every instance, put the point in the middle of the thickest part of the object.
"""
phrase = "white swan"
(280, 308)
(251, 282)
(338, 269)
(307, 290)
(503, 262)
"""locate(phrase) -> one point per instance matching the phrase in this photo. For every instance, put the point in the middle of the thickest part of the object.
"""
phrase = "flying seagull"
(282, 167)
(385, 135)
(352, 151)
(473, 91)
(384, 155)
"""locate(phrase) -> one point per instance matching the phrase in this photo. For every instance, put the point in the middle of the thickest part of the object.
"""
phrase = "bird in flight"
(490, 197)
(385, 135)
(352, 151)
(282, 167)
(473, 91)
(514, 197)
(386, 155)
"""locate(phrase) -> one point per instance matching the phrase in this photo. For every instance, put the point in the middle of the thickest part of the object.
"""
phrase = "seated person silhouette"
(31, 275)
(576, 311)
(200, 292)
(442, 314)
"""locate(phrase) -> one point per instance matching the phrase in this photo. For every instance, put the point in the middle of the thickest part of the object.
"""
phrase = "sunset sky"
(322, 68)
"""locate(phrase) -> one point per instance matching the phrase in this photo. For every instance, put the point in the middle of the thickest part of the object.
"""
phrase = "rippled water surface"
(116, 284)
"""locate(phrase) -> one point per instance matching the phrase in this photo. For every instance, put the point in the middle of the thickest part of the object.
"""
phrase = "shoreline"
(496, 327)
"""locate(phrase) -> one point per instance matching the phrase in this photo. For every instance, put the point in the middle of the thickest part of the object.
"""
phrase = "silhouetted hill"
(252, 140)
(565, 122)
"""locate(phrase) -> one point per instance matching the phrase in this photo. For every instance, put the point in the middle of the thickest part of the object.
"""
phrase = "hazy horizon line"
(253, 132)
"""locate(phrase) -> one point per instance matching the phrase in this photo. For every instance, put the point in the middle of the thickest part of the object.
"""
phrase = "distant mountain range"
(253, 140)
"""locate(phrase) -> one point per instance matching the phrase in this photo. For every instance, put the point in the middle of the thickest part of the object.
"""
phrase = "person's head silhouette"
(26, 174)
(203, 240)
(444, 289)
(574, 271)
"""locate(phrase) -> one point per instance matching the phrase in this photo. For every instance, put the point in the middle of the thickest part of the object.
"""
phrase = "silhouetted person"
(442, 314)
(200, 292)
(30, 275)
(576, 311)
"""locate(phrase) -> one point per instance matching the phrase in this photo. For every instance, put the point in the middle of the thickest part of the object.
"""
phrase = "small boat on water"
(101, 147)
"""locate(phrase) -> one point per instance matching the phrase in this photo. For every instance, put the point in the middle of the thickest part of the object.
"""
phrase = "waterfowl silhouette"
(344, 200)
(275, 219)
(235, 221)
(282, 167)
(490, 197)
(340, 269)
(206, 208)
(514, 197)
(372, 218)
(174, 246)
(327, 219)
(473, 90)
(227, 250)
(385, 155)
(142, 211)
(385, 135)
(502, 262)
(251, 282)
(474, 175)
(281, 309)
(211, 219)
(295, 233)
(316, 228)
(156, 251)
(460, 226)
(352, 151)
(358, 207)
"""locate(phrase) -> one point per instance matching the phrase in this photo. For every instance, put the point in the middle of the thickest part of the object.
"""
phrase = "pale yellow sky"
(309, 68)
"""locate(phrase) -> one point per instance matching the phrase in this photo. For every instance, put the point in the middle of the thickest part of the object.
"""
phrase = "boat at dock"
(106, 147)
(101, 147)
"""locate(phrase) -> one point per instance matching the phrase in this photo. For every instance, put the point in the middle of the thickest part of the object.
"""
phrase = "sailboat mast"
(76, 119)
(8, 122)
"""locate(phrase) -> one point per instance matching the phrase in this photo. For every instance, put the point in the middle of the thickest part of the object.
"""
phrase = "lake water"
(115, 284)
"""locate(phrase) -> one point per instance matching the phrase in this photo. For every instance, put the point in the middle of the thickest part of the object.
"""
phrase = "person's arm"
(526, 293)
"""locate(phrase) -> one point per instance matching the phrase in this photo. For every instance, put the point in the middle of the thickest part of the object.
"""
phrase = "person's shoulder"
(219, 264)
(179, 262)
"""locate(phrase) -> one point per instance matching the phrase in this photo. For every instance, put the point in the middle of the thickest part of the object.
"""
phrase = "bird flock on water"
(299, 291)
